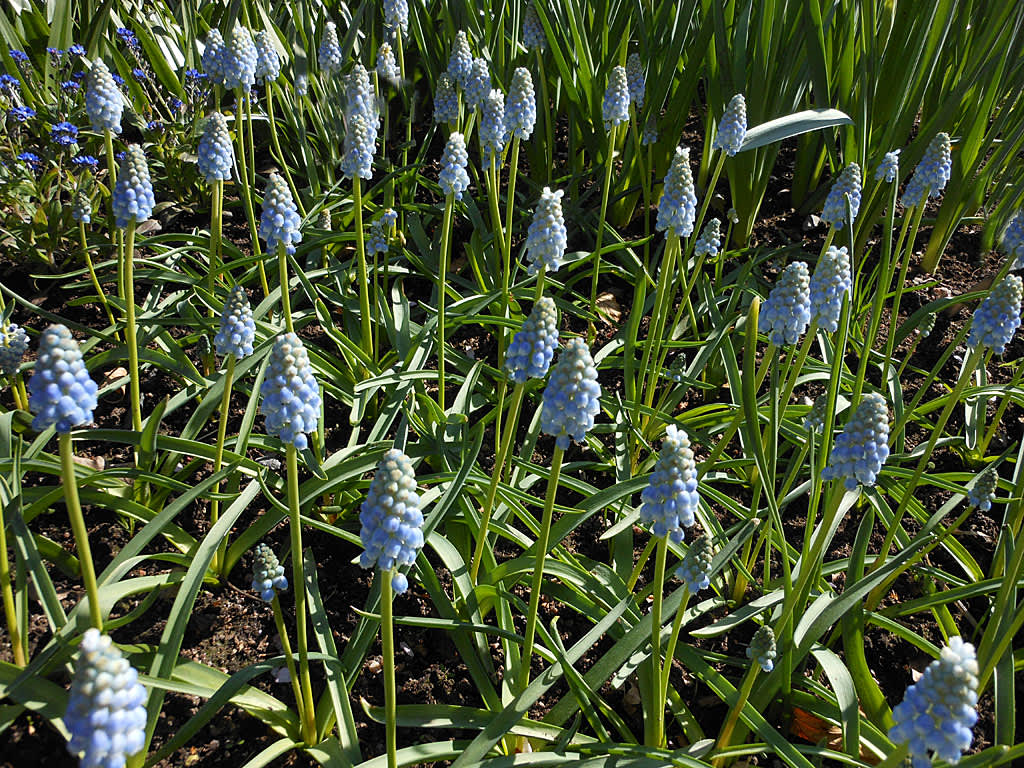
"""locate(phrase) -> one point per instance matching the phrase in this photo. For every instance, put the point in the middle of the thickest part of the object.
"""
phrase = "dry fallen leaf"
(113, 375)
(93, 462)
(609, 309)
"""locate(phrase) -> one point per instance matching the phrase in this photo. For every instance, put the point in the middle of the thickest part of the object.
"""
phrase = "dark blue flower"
(128, 38)
(70, 86)
(140, 74)
(9, 84)
(19, 57)
(21, 114)
(64, 134)
(85, 161)
(31, 159)
(77, 50)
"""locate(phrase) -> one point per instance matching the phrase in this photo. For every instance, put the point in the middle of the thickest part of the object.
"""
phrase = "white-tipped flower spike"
(732, 128)
(396, 16)
(237, 330)
(520, 106)
(998, 317)
(938, 712)
(830, 282)
(268, 62)
(392, 523)
(216, 150)
(267, 574)
(446, 100)
(848, 183)
(377, 240)
(572, 397)
(787, 310)
(695, 569)
(358, 158)
(932, 172)
(329, 54)
(615, 107)
(733, 216)
(862, 448)
(106, 713)
(280, 219)
(13, 345)
(635, 78)
(81, 207)
(1013, 240)
(387, 66)
(532, 348)
(492, 127)
(924, 330)
(103, 100)
(677, 208)
(301, 85)
(240, 70)
(360, 97)
(814, 421)
(133, 193)
(670, 499)
(762, 648)
(533, 31)
(60, 392)
(650, 130)
(983, 491)
(453, 179)
(291, 397)
(460, 64)
(478, 84)
(889, 168)
(710, 240)
(546, 239)
(215, 57)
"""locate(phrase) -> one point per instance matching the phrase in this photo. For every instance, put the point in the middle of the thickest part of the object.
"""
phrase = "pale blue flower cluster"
(460, 64)
(392, 523)
(60, 393)
(1013, 240)
(932, 172)
(13, 345)
(242, 58)
(133, 193)
(998, 317)
(546, 238)
(520, 106)
(636, 80)
(360, 97)
(357, 160)
(762, 648)
(571, 399)
(396, 16)
(732, 128)
(533, 30)
(848, 183)
(938, 712)
(446, 100)
(453, 178)
(216, 154)
(492, 127)
(106, 714)
(81, 207)
(983, 491)
(387, 66)
(215, 57)
(379, 238)
(533, 347)
(863, 446)
(650, 130)
(104, 102)
(677, 208)
(670, 499)
(291, 397)
(268, 62)
(710, 241)
(615, 107)
(328, 56)
(695, 569)
(787, 310)
(478, 84)
(279, 222)
(889, 168)
(267, 574)
(237, 330)
(829, 284)
(814, 421)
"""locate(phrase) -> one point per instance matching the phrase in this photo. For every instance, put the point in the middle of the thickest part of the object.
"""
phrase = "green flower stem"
(92, 273)
(670, 649)
(997, 419)
(364, 287)
(442, 276)
(250, 145)
(656, 734)
(277, 153)
(130, 330)
(18, 645)
(549, 129)
(299, 584)
(108, 143)
(641, 561)
(289, 657)
(609, 165)
(725, 735)
(652, 348)
(538, 571)
(492, 490)
(246, 190)
(387, 643)
(894, 314)
(220, 560)
(282, 277)
(510, 199)
(400, 50)
(67, 471)
(216, 233)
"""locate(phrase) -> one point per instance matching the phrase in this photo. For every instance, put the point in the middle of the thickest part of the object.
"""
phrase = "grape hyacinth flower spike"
(133, 194)
(453, 178)
(291, 397)
(242, 59)
(938, 712)
(396, 16)
(13, 345)
(670, 499)
(446, 100)
(998, 317)
(983, 491)
(695, 569)
(829, 283)
(216, 156)
(106, 714)
(849, 183)
(237, 330)
(635, 79)
(732, 128)
(492, 127)
(357, 161)
(533, 31)
(329, 53)
(387, 66)
(533, 347)
(268, 62)
(677, 208)
(1013, 240)
(392, 523)
(814, 421)
(863, 446)
(267, 574)
(762, 648)
(61, 392)
(546, 238)
(615, 106)
(520, 106)
(215, 57)
(572, 397)
(889, 168)
(787, 310)
(710, 241)
(478, 84)
(104, 102)
(932, 172)
(460, 63)
(279, 222)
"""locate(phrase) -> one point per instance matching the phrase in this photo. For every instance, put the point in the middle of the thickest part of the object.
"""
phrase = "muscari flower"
(635, 79)
(848, 183)
(446, 100)
(710, 240)
(938, 712)
(889, 168)
(478, 84)
(329, 54)
(695, 569)
(60, 392)
(787, 310)
(267, 574)
(677, 207)
(291, 397)
(81, 207)
(615, 107)
(359, 145)
(377, 240)
(13, 345)
(983, 490)
(762, 648)
(830, 282)
(733, 126)
(670, 499)
(520, 106)
(546, 239)
(216, 57)
(932, 172)
(237, 330)
(133, 194)
(532, 348)
(106, 714)
(216, 151)
(460, 63)
(814, 421)
(392, 523)
(998, 317)
(571, 398)
(863, 446)
(279, 221)
(453, 178)
(533, 30)
(396, 16)
(926, 327)
(242, 58)
(360, 97)
(650, 131)
(1013, 240)
(492, 127)
(387, 67)
(268, 63)
(301, 85)
(103, 101)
